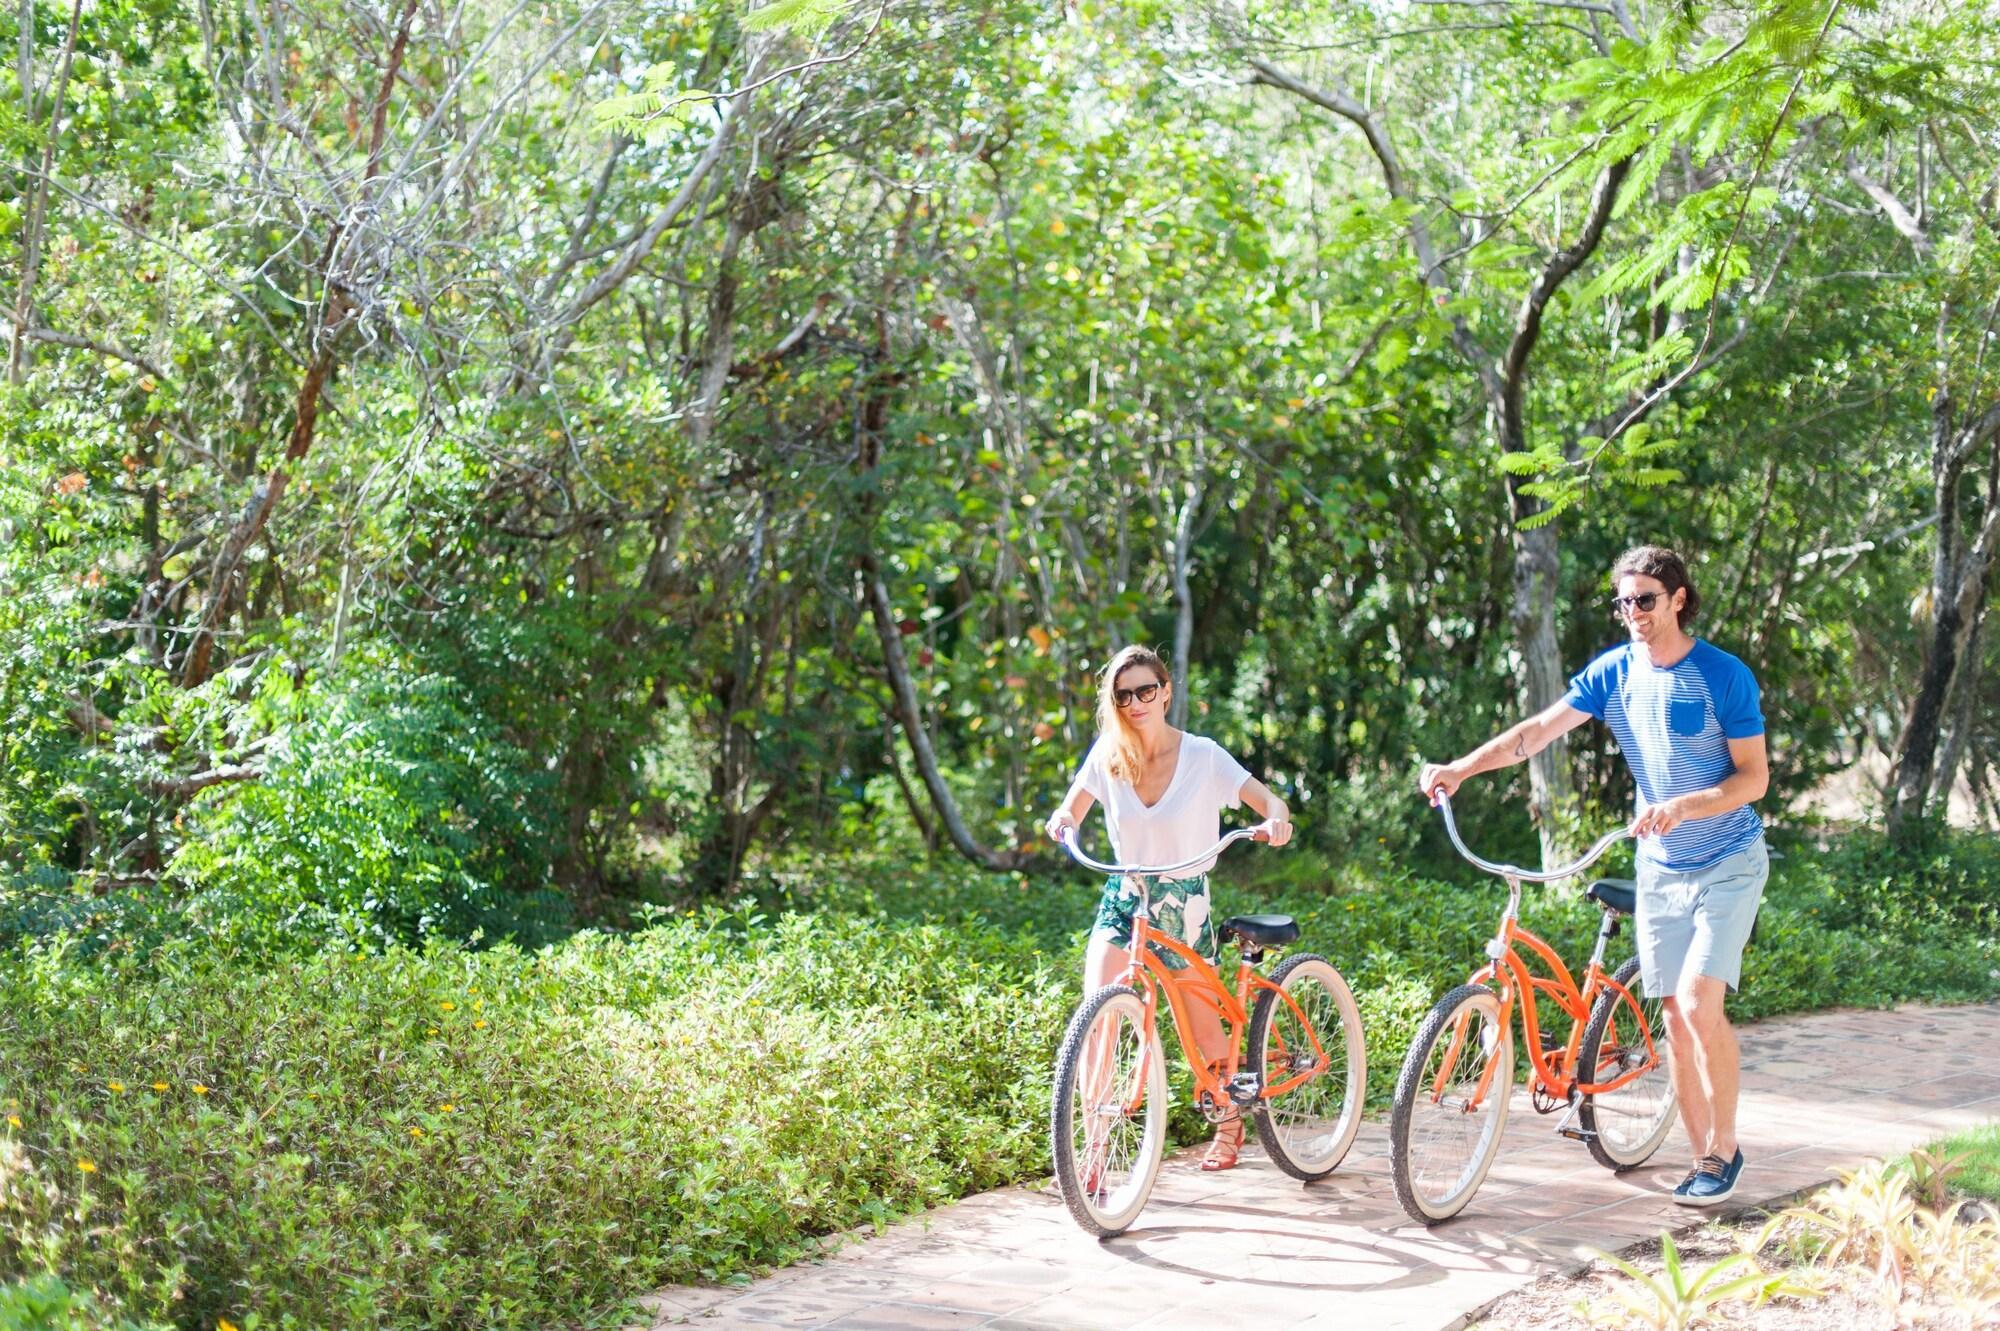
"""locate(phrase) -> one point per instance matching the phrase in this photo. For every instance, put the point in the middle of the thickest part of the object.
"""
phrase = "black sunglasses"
(1643, 601)
(1144, 693)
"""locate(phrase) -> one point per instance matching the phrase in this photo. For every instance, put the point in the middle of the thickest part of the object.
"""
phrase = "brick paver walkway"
(1821, 1092)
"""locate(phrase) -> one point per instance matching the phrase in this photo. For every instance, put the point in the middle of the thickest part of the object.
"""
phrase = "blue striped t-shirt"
(1674, 725)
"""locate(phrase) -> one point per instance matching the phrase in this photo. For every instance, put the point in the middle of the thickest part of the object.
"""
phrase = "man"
(1687, 718)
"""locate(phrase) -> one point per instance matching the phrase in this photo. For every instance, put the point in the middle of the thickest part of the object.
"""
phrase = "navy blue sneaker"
(1714, 1181)
(1681, 1190)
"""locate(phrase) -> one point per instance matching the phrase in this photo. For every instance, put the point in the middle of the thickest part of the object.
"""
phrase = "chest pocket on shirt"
(1687, 716)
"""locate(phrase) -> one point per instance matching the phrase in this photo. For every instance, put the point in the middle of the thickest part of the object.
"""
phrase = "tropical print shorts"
(1178, 908)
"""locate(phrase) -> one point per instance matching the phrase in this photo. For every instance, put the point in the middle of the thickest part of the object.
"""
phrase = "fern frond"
(807, 18)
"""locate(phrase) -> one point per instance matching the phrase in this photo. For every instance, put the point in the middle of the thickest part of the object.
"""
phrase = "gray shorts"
(1695, 921)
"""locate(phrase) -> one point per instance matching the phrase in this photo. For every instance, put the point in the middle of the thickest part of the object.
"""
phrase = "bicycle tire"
(1110, 1045)
(1422, 1126)
(1625, 1126)
(1308, 1130)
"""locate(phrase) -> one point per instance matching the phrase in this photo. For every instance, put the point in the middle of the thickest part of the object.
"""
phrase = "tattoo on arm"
(1521, 748)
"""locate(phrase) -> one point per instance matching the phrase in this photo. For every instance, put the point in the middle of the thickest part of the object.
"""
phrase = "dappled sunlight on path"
(1822, 1092)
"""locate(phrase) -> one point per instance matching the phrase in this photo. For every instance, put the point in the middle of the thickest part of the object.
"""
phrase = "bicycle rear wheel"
(1108, 1121)
(1626, 1125)
(1307, 1130)
(1451, 1104)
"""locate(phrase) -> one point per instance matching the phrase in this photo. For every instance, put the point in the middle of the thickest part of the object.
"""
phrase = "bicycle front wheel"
(1451, 1104)
(1307, 1130)
(1627, 1125)
(1108, 1126)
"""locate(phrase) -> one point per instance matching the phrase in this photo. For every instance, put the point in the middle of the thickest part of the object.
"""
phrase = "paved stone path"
(1823, 1092)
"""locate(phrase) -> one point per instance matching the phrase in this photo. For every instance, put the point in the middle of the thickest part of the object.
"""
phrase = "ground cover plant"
(1894, 1245)
(454, 1138)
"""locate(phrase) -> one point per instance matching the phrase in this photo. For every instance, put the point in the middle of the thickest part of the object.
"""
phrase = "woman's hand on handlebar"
(1059, 822)
(1435, 775)
(1277, 831)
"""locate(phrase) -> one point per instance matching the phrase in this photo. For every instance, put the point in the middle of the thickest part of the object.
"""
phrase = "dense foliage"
(739, 435)
(451, 1138)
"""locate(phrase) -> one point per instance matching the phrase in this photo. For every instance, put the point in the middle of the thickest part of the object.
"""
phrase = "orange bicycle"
(1303, 1079)
(1451, 1097)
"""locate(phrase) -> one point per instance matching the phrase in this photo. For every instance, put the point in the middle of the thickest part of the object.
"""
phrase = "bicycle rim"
(1110, 1116)
(1628, 1124)
(1451, 1104)
(1307, 1130)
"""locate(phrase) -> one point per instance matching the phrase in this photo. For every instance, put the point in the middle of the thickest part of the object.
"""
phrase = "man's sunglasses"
(1642, 602)
(1144, 693)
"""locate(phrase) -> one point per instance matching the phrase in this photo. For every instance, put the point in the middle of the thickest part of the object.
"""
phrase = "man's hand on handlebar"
(1439, 774)
(1661, 818)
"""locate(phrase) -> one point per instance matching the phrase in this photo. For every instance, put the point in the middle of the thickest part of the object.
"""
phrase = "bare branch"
(1582, 5)
(198, 781)
(1901, 218)
(60, 339)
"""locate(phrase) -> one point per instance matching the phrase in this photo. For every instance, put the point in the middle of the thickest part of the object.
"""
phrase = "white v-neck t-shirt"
(1188, 818)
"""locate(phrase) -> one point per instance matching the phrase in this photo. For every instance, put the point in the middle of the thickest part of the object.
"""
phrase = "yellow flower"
(117, 1086)
(159, 1086)
(448, 1006)
(479, 1025)
(200, 1089)
(447, 1108)
(86, 1166)
(13, 1120)
(430, 1030)
(224, 1324)
(416, 1132)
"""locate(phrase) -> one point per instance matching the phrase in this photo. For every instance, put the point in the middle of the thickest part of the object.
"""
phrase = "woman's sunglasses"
(1144, 693)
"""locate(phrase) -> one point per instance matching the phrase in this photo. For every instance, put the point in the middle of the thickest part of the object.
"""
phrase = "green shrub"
(390, 811)
(461, 1139)
(45, 1303)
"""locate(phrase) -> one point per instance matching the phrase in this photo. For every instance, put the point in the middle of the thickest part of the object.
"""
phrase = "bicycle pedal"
(1245, 1087)
(1576, 1134)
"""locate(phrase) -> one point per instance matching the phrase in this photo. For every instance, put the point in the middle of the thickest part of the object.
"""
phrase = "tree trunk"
(910, 714)
(1958, 707)
(1183, 604)
(31, 245)
(1959, 581)
(1537, 574)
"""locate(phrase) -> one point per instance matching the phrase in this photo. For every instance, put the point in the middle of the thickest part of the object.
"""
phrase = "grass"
(1978, 1153)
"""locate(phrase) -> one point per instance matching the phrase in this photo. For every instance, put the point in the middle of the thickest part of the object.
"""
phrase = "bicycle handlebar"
(1069, 844)
(1604, 843)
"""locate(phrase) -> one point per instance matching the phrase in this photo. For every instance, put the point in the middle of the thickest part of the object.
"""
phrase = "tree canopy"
(460, 458)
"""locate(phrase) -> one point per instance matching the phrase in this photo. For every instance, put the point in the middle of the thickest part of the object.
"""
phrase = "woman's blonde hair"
(1126, 759)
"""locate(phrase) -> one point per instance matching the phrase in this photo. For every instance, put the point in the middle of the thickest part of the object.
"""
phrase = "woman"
(1163, 792)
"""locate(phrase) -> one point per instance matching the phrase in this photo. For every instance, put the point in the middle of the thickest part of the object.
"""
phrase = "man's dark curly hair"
(1656, 561)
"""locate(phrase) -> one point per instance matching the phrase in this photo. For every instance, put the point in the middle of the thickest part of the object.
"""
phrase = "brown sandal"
(1228, 1143)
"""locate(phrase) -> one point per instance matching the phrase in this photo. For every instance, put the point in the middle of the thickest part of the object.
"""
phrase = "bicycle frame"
(1511, 977)
(1148, 974)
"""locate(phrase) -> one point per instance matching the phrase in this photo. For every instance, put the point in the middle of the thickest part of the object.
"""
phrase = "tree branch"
(1431, 269)
(1528, 324)
(1901, 218)
(61, 339)
(198, 781)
